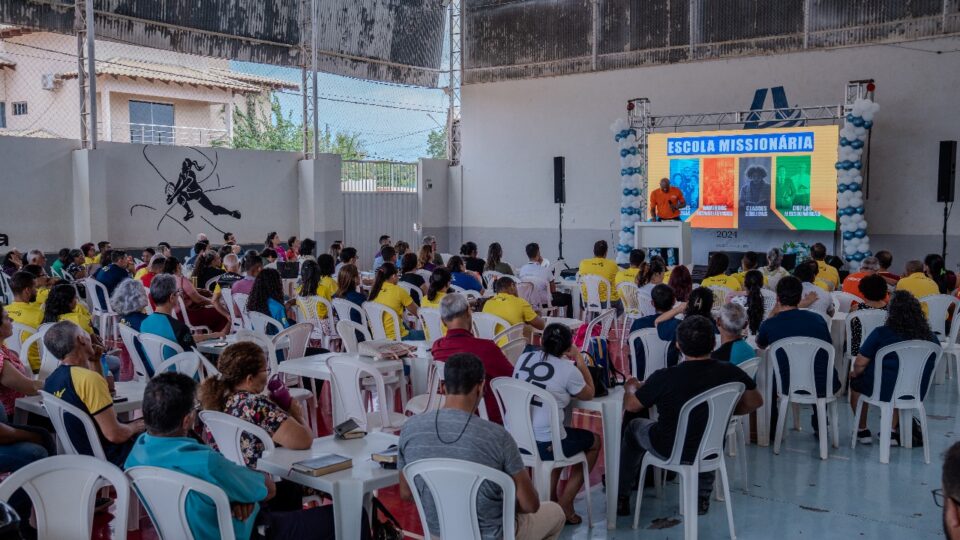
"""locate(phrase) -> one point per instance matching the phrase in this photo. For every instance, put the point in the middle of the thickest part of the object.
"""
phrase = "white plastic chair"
(842, 301)
(432, 324)
(21, 333)
(938, 311)
(240, 301)
(645, 303)
(182, 314)
(913, 358)
(48, 362)
(511, 333)
(236, 319)
(130, 339)
(293, 342)
(603, 321)
(513, 349)
(720, 401)
(654, 352)
(57, 410)
(487, 325)
(472, 296)
(425, 274)
(345, 309)
(157, 349)
(324, 329)
(264, 324)
(827, 319)
(537, 293)
(376, 313)
(719, 294)
(738, 428)
(870, 320)
(347, 376)
(630, 296)
(453, 485)
(63, 490)
(189, 363)
(951, 347)
(414, 291)
(227, 430)
(6, 294)
(590, 295)
(164, 492)
(432, 399)
(347, 330)
(514, 398)
(103, 314)
(801, 353)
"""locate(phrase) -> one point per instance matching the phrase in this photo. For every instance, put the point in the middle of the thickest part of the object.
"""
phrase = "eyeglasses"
(940, 498)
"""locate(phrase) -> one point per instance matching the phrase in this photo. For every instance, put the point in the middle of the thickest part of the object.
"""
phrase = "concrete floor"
(796, 495)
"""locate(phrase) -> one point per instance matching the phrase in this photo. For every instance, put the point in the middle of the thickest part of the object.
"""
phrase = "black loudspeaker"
(559, 181)
(946, 179)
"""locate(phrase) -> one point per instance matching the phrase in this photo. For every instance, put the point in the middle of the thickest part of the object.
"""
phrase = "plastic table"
(610, 408)
(132, 390)
(350, 488)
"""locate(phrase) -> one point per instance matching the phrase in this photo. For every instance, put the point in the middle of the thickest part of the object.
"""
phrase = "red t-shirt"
(495, 364)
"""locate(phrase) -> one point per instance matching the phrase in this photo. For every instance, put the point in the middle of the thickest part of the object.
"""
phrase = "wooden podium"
(664, 234)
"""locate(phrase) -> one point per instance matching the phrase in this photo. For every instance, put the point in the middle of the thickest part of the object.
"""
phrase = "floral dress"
(856, 330)
(260, 411)
(8, 397)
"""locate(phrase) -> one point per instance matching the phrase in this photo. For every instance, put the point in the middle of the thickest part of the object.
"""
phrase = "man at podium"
(666, 202)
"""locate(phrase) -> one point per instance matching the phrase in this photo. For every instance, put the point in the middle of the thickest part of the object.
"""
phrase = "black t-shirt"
(206, 275)
(474, 264)
(413, 278)
(670, 388)
(227, 279)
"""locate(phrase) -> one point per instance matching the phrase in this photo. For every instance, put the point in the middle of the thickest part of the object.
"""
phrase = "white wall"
(511, 131)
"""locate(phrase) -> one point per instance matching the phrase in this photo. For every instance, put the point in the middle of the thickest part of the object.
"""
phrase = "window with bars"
(19, 108)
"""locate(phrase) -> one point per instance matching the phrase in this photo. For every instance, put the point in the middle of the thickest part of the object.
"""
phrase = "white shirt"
(559, 376)
(534, 270)
(824, 302)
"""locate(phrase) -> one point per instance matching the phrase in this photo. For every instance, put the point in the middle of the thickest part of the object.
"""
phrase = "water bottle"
(279, 392)
(105, 369)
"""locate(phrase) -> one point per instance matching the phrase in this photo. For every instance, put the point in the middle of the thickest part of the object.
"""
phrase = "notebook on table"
(321, 465)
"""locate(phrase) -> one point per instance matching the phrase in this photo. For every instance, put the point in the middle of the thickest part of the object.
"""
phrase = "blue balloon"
(626, 192)
(856, 145)
(850, 117)
(868, 253)
(853, 186)
(847, 165)
(860, 233)
(857, 121)
(868, 124)
(848, 235)
(857, 164)
(847, 258)
(858, 256)
(838, 165)
(841, 187)
(636, 192)
(623, 211)
(624, 152)
(858, 210)
(844, 141)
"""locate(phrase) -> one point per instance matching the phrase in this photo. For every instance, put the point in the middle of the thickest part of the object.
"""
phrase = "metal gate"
(379, 197)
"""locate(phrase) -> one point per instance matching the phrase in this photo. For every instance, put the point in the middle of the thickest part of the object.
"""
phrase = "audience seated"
(348, 285)
(200, 309)
(408, 272)
(916, 282)
(468, 252)
(226, 280)
(749, 261)
(164, 292)
(387, 254)
(425, 259)
(510, 307)
(751, 299)
(308, 248)
(154, 268)
(717, 272)
(669, 389)
(77, 380)
(432, 242)
(873, 289)
(207, 267)
(270, 258)
(560, 369)
(273, 242)
(495, 260)
(651, 274)
(316, 278)
(732, 322)
(129, 301)
(293, 249)
(16, 379)
(885, 258)
(62, 305)
(851, 283)
(115, 272)
(439, 286)
(629, 274)
(169, 413)
(773, 271)
(825, 272)
(266, 297)
(386, 292)
(348, 255)
(601, 266)
(402, 248)
(251, 265)
(681, 282)
(455, 432)
(378, 258)
(456, 314)
(535, 270)
(699, 303)
(12, 262)
(26, 310)
(935, 269)
(463, 278)
(905, 322)
(815, 293)
(663, 300)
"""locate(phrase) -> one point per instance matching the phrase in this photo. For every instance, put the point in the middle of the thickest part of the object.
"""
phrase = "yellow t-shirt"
(435, 303)
(30, 315)
(395, 298)
(513, 309)
(90, 387)
(825, 285)
(78, 318)
(141, 272)
(604, 268)
(919, 285)
(721, 280)
(828, 274)
(326, 288)
(741, 276)
(627, 275)
(42, 295)
(90, 260)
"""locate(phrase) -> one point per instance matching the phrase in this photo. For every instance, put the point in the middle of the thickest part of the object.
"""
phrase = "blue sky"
(392, 120)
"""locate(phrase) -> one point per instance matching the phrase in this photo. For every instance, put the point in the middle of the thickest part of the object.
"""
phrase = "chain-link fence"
(157, 96)
(378, 176)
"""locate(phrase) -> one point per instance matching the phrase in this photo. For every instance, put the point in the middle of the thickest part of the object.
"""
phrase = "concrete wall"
(36, 205)
(433, 191)
(512, 130)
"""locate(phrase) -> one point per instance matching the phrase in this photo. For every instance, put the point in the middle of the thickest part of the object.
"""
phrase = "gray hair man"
(35, 256)
(851, 283)
(78, 381)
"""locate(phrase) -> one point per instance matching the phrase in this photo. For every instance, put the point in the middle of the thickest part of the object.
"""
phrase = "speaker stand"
(560, 259)
(946, 217)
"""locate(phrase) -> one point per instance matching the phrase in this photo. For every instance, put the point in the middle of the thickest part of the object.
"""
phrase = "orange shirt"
(852, 283)
(660, 202)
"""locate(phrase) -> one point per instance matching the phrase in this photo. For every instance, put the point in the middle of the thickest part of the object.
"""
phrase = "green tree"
(437, 144)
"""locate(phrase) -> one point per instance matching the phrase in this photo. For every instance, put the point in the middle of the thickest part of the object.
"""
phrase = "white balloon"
(632, 140)
(849, 249)
(860, 132)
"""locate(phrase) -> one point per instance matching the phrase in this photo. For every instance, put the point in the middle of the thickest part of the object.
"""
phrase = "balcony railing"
(168, 135)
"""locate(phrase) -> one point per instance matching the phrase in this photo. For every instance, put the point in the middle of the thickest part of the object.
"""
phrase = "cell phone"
(120, 399)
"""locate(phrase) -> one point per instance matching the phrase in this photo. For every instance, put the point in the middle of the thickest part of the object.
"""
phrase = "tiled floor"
(791, 495)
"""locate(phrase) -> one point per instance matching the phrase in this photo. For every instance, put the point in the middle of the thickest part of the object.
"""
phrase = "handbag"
(599, 376)
(388, 529)
(385, 349)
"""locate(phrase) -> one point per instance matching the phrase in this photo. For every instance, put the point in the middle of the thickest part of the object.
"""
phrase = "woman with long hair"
(468, 252)
(199, 308)
(438, 288)
(386, 292)
(773, 270)
(934, 268)
(273, 242)
(408, 272)
(751, 298)
(700, 302)
(681, 282)
(461, 277)
(61, 305)
(425, 258)
(206, 268)
(495, 260)
(239, 391)
(89, 253)
(293, 249)
(717, 273)
(650, 275)
(266, 296)
(905, 322)
(562, 371)
(348, 285)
